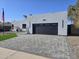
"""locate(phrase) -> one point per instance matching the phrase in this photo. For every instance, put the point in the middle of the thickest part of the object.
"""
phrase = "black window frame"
(24, 26)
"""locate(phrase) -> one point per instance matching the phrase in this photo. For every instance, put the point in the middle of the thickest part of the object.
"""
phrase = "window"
(44, 19)
(62, 23)
(24, 26)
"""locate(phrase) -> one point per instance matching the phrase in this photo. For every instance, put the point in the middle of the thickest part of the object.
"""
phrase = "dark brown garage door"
(46, 28)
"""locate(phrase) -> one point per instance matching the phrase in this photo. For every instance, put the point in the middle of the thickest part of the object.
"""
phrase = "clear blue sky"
(15, 9)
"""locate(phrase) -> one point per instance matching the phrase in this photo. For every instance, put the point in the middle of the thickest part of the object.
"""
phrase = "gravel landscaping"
(45, 45)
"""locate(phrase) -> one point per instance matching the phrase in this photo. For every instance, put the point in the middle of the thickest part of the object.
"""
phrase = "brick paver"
(45, 45)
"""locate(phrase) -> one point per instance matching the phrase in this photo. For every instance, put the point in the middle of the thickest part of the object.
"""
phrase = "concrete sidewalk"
(10, 54)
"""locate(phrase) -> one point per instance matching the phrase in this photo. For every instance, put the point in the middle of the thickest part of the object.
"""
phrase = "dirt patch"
(74, 43)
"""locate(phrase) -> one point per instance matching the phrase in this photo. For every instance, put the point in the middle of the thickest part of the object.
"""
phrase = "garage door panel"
(47, 28)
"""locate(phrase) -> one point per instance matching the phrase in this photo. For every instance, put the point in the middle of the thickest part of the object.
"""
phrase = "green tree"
(73, 12)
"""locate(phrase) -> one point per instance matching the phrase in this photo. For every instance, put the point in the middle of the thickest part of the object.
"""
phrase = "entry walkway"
(10, 54)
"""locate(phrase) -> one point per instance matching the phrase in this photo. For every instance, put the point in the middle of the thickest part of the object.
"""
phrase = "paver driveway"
(44, 45)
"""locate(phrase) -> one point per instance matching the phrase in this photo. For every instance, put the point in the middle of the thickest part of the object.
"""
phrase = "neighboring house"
(50, 23)
(21, 25)
(7, 26)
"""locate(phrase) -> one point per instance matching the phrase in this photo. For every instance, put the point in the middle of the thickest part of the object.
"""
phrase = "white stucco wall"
(19, 24)
(51, 18)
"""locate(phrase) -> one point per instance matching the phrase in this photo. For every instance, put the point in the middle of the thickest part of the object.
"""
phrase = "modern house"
(50, 23)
